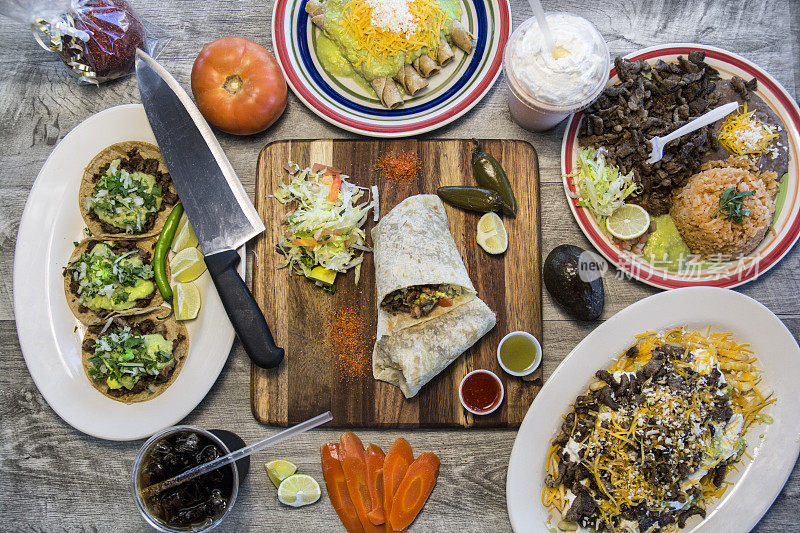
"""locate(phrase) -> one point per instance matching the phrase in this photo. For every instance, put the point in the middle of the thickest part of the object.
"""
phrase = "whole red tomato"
(238, 85)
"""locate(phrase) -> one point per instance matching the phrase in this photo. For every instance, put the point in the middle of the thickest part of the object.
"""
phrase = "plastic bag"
(96, 39)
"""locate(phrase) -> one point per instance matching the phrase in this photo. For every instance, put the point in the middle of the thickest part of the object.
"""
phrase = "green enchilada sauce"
(340, 55)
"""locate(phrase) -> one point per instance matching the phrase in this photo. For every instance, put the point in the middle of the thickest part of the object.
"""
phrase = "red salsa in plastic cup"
(481, 392)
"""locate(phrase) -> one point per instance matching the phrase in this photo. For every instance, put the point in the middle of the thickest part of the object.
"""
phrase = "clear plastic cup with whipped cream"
(546, 86)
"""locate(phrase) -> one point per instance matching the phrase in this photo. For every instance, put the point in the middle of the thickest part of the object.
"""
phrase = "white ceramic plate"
(756, 484)
(49, 334)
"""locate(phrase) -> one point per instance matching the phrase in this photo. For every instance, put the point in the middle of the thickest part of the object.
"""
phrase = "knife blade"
(221, 214)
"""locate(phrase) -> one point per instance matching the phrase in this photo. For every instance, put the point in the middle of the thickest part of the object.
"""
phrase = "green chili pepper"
(162, 248)
(471, 198)
(490, 175)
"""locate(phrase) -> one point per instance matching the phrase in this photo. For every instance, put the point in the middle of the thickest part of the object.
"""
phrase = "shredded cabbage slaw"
(600, 186)
(326, 229)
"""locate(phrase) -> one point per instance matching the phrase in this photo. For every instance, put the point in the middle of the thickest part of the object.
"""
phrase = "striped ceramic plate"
(451, 93)
(786, 225)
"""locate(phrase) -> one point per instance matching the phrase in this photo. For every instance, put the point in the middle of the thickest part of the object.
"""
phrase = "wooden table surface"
(54, 478)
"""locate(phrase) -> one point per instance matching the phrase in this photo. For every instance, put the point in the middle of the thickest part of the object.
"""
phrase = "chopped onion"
(375, 203)
(106, 326)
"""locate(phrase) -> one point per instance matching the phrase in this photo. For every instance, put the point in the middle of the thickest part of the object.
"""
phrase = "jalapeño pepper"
(490, 175)
(161, 250)
(471, 198)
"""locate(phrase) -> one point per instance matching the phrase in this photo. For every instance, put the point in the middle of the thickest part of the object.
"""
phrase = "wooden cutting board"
(319, 375)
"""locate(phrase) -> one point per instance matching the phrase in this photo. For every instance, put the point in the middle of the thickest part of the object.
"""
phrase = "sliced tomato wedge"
(336, 184)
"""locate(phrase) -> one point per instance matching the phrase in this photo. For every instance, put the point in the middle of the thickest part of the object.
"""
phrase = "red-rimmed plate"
(349, 105)
(786, 225)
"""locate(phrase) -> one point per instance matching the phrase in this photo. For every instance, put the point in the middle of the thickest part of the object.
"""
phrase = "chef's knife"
(221, 214)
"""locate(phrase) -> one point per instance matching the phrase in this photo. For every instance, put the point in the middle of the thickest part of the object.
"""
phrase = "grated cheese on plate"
(743, 134)
(393, 16)
(386, 28)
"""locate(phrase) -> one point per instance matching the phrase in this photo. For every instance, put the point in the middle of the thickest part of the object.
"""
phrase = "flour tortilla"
(413, 246)
(174, 331)
(119, 151)
(90, 316)
(414, 356)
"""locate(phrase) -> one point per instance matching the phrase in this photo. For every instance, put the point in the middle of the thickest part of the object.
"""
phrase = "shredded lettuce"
(600, 186)
(321, 232)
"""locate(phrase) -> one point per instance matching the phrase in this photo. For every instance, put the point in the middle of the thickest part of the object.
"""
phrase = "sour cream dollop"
(572, 72)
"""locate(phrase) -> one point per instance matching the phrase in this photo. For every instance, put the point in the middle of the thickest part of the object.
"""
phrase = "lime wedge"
(492, 235)
(628, 222)
(299, 490)
(184, 236)
(278, 470)
(187, 301)
(187, 265)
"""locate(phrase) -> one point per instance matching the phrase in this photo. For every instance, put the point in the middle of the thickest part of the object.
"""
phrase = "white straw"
(538, 12)
(199, 470)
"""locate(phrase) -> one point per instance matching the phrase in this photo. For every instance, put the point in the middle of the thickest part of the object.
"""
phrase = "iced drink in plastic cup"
(546, 86)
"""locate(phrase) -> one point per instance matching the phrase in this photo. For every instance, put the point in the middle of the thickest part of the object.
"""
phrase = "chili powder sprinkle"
(349, 348)
(399, 166)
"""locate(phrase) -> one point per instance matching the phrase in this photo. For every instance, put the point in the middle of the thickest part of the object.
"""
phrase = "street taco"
(134, 359)
(126, 191)
(111, 278)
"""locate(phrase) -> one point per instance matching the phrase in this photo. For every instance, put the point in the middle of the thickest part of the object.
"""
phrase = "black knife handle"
(247, 319)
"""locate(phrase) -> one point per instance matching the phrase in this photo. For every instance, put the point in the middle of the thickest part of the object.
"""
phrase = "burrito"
(428, 311)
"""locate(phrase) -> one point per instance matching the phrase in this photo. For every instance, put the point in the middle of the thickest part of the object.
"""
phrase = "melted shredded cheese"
(386, 28)
(743, 134)
(735, 361)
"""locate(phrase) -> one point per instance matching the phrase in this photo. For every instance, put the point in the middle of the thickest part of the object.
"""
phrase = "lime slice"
(184, 236)
(492, 235)
(278, 470)
(299, 490)
(628, 222)
(187, 265)
(187, 301)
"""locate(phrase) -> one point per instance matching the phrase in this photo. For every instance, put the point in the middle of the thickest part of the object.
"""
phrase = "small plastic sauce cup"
(536, 360)
(481, 392)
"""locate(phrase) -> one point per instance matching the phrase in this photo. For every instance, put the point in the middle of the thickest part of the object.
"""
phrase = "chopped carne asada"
(654, 100)
(649, 445)
(111, 275)
(420, 300)
(130, 356)
(128, 193)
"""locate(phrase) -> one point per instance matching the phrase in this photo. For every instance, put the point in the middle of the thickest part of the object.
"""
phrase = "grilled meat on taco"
(134, 359)
(113, 277)
(126, 190)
